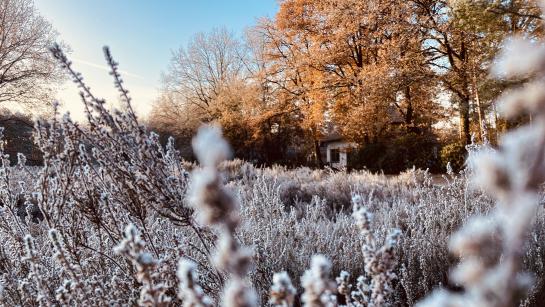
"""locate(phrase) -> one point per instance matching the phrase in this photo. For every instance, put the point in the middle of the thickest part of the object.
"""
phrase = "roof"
(332, 137)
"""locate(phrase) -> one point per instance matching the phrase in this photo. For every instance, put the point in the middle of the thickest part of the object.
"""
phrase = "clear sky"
(141, 34)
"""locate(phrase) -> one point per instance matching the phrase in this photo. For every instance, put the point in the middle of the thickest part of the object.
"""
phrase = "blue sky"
(141, 34)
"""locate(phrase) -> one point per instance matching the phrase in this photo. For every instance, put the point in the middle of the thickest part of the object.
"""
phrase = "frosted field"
(286, 217)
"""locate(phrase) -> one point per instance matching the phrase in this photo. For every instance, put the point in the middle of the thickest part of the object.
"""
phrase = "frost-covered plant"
(35, 271)
(282, 292)
(318, 288)
(379, 262)
(344, 288)
(98, 177)
(190, 292)
(217, 207)
(491, 247)
(372, 289)
(152, 292)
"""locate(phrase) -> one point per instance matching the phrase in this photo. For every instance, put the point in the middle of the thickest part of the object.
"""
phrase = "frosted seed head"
(490, 172)
(477, 236)
(282, 291)
(282, 279)
(529, 99)
(468, 272)
(519, 57)
(29, 246)
(319, 265)
(214, 204)
(357, 200)
(393, 237)
(442, 298)
(236, 294)
(131, 232)
(363, 217)
(186, 271)
(210, 147)
(343, 285)
(145, 259)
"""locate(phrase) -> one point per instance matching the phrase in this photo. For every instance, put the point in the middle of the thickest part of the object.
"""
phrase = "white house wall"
(343, 157)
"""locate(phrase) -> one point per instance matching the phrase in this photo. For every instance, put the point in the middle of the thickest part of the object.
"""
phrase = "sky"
(141, 34)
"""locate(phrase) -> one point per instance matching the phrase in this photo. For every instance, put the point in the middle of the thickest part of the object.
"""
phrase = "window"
(275, 128)
(334, 155)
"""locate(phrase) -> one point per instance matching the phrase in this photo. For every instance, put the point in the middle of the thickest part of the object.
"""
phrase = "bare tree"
(27, 70)
(199, 72)
(196, 83)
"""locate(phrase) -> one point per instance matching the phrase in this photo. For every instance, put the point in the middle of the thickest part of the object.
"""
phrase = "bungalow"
(334, 150)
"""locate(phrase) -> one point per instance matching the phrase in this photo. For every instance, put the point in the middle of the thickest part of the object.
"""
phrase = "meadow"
(286, 217)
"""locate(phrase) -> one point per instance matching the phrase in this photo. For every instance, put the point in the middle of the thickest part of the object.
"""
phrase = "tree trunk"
(483, 129)
(465, 134)
(410, 110)
(496, 123)
(318, 153)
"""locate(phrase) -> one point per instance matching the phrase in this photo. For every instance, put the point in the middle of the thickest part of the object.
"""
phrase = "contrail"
(107, 68)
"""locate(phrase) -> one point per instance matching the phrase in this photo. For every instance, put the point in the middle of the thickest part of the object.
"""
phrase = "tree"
(461, 39)
(222, 79)
(27, 70)
(494, 21)
(196, 76)
(357, 62)
(199, 72)
(290, 73)
(170, 118)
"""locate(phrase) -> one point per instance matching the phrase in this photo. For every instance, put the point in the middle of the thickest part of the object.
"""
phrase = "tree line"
(406, 81)
(379, 72)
